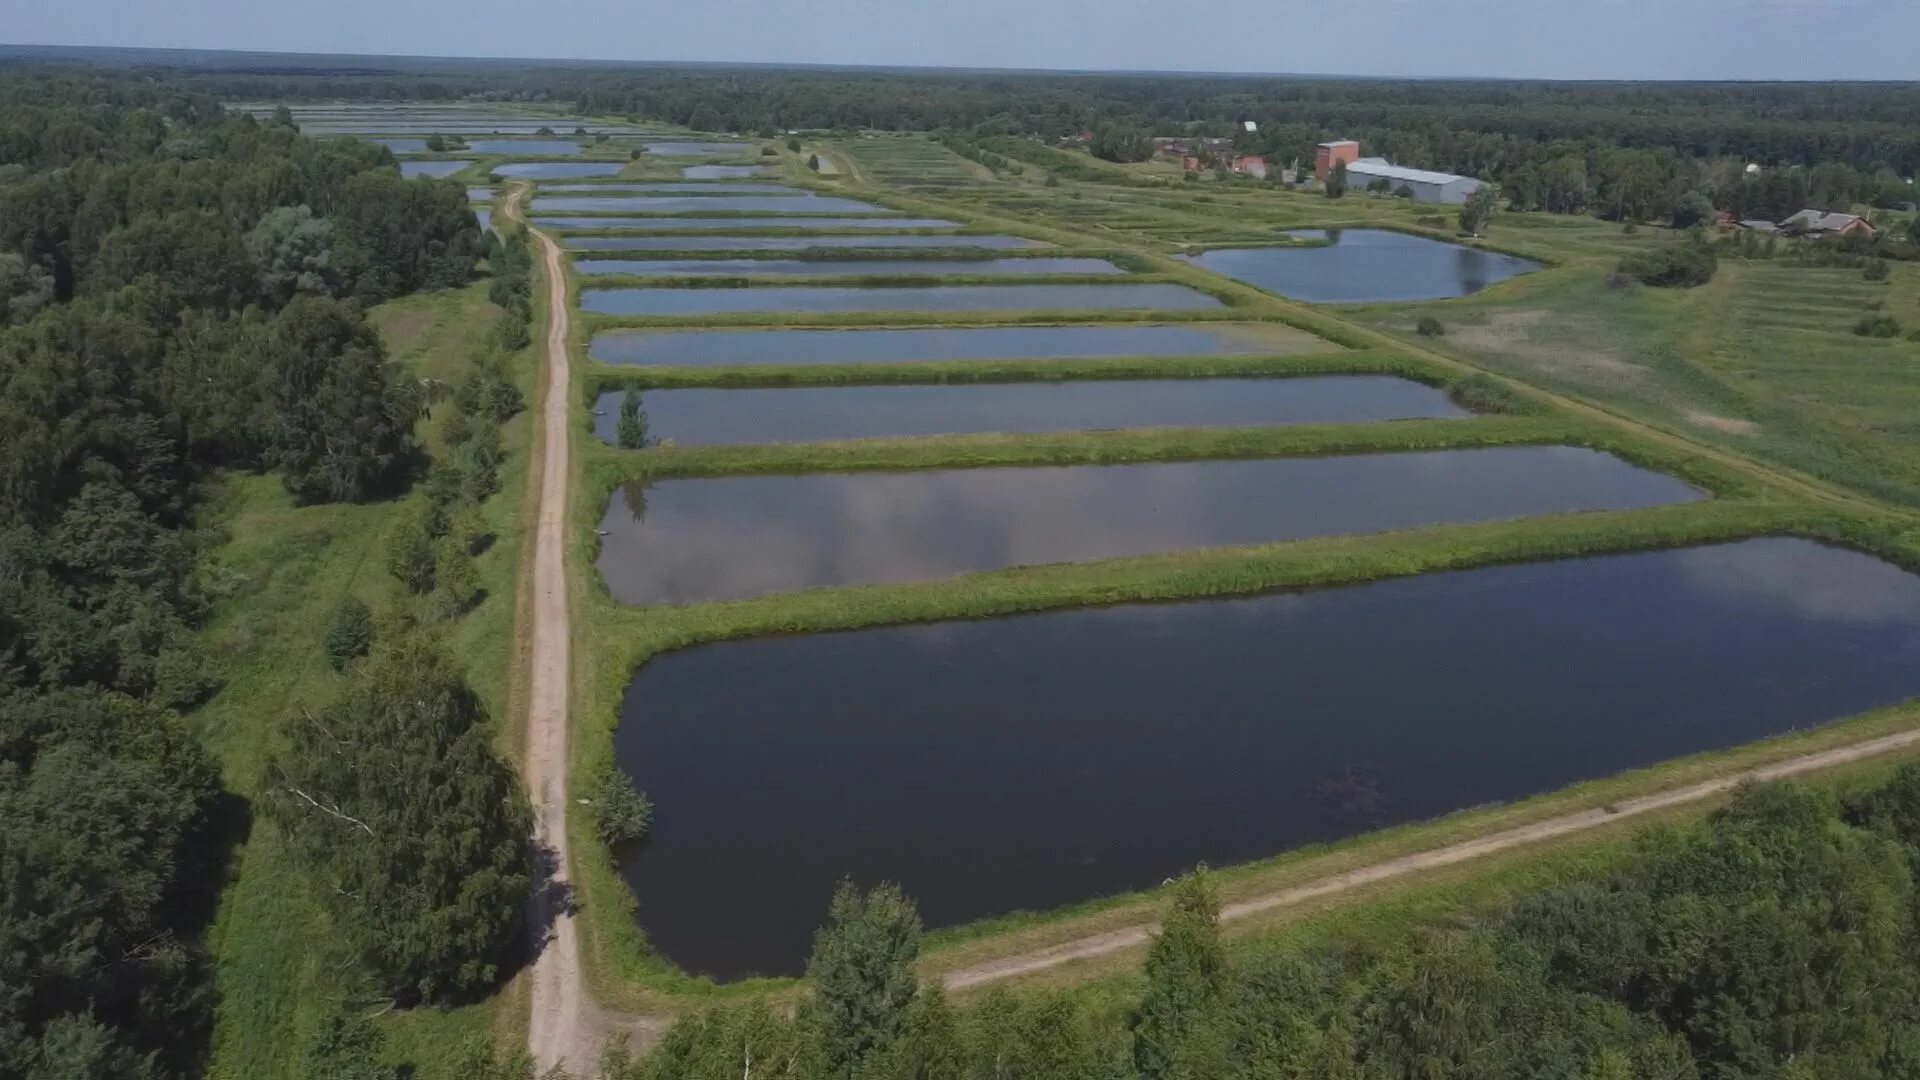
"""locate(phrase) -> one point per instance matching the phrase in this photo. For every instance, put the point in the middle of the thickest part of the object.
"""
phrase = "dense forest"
(183, 291)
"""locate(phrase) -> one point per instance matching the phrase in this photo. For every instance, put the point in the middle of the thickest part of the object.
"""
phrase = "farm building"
(1329, 154)
(1820, 223)
(1433, 187)
(1250, 165)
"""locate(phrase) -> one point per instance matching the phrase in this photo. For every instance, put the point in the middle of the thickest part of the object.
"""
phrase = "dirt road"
(1133, 937)
(555, 1034)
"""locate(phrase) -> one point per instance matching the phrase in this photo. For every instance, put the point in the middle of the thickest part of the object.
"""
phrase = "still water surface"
(1363, 265)
(691, 417)
(702, 348)
(703, 204)
(1039, 760)
(557, 170)
(841, 267)
(645, 224)
(722, 172)
(431, 169)
(828, 298)
(686, 541)
(791, 243)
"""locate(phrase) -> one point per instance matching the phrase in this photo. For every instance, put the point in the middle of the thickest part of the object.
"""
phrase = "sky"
(1565, 39)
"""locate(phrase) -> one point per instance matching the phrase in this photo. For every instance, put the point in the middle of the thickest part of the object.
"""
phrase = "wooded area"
(182, 291)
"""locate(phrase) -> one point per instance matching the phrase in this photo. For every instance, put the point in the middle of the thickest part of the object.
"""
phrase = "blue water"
(841, 267)
(557, 170)
(820, 299)
(644, 224)
(794, 243)
(701, 204)
(431, 169)
(1365, 265)
(711, 348)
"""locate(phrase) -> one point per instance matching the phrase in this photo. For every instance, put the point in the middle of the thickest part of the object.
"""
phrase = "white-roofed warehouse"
(1433, 187)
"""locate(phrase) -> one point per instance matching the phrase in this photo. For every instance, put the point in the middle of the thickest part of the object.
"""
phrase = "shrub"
(1629, 229)
(410, 554)
(1877, 326)
(1876, 270)
(622, 813)
(1673, 266)
(349, 632)
(793, 143)
(1431, 327)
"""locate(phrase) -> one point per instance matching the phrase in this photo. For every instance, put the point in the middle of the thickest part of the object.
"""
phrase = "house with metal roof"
(1424, 185)
(1821, 223)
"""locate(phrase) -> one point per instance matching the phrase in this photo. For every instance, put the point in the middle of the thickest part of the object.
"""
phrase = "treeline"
(1479, 127)
(180, 291)
(1779, 938)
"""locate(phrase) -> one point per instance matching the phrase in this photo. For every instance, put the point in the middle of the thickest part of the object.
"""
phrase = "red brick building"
(1327, 154)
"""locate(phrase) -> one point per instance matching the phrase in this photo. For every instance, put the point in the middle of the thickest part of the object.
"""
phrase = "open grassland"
(281, 570)
(1554, 357)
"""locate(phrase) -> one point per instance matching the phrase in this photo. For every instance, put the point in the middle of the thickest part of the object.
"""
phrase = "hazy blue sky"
(1692, 39)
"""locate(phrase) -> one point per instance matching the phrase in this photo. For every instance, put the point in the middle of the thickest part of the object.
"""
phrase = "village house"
(1822, 223)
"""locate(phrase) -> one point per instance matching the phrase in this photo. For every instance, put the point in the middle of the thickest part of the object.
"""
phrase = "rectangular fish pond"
(1357, 266)
(1122, 296)
(1032, 761)
(673, 187)
(557, 170)
(841, 267)
(697, 204)
(693, 540)
(794, 243)
(723, 172)
(431, 170)
(644, 224)
(708, 348)
(693, 417)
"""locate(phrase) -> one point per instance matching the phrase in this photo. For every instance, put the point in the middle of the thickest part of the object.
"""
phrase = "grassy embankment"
(281, 570)
(1748, 503)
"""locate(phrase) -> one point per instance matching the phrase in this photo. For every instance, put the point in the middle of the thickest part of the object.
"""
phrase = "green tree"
(456, 586)
(1478, 210)
(622, 813)
(793, 144)
(410, 553)
(1694, 208)
(1121, 142)
(25, 288)
(929, 1046)
(349, 632)
(393, 797)
(292, 252)
(1186, 973)
(631, 433)
(1336, 185)
(862, 972)
(345, 419)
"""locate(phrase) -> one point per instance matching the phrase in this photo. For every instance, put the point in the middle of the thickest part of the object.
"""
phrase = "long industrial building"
(1426, 186)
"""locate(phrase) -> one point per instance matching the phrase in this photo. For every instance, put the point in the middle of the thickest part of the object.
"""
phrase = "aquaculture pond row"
(806, 414)
(1027, 762)
(840, 267)
(698, 204)
(1148, 296)
(715, 348)
(793, 243)
(695, 540)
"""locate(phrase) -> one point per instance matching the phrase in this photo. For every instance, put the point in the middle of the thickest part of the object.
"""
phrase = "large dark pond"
(841, 267)
(722, 172)
(431, 170)
(557, 170)
(1362, 265)
(643, 224)
(864, 412)
(792, 243)
(1038, 760)
(698, 204)
(403, 146)
(702, 348)
(684, 541)
(479, 194)
(827, 298)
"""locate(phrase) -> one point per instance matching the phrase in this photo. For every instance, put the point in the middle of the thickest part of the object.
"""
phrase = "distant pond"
(431, 170)
(557, 170)
(722, 172)
(794, 243)
(841, 267)
(702, 348)
(1365, 265)
(1026, 762)
(685, 541)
